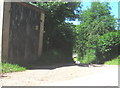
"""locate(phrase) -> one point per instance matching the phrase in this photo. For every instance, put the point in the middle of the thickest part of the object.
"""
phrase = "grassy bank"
(6, 67)
(115, 61)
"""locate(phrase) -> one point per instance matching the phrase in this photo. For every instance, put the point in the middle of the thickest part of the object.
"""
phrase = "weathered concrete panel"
(22, 33)
(1, 20)
(6, 25)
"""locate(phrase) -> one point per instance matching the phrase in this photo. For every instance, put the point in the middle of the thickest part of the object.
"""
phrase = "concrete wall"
(6, 26)
(22, 33)
(1, 20)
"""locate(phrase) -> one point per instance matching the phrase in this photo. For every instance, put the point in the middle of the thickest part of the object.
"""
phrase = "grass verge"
(6, 68)
(115, 61)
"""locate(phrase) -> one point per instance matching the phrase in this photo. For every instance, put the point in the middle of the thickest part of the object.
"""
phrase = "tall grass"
(6, 67)
(115, 61)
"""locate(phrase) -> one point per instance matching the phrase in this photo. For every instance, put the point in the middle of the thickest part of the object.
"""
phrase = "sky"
(113, 5)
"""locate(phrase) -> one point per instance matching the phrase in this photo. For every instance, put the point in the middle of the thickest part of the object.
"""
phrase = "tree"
(108, 46)
(95, 21)
(59, 36)
(56, 14)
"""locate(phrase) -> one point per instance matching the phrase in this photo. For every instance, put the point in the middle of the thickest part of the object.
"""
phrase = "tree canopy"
(94, 22)
(59, 36)
(56, 14)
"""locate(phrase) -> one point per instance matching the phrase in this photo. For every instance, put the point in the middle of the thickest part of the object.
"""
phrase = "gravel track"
(37, 77)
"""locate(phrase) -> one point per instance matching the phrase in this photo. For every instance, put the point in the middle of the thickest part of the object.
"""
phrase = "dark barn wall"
(23, 35)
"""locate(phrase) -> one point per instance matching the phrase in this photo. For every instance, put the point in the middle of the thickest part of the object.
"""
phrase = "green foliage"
(59, 11)
(108, 40)
(107, 46)
(89, 57)
(95, 22)
(6, 67)
(115, 61)
(57, 32)
(95, 37)
(59, 36)
(97, 19)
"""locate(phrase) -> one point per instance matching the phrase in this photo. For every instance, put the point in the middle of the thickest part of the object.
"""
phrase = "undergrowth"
(6, 67)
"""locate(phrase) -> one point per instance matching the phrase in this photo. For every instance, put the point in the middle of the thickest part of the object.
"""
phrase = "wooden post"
(41, 34)
(1, 25)
(6, 28)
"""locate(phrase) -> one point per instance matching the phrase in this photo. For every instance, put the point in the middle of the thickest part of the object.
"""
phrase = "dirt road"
(108, 77)
(44, 76)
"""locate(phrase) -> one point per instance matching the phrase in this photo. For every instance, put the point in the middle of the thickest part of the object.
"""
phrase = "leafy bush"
(88, 58)
(107, 41)
(107, 46)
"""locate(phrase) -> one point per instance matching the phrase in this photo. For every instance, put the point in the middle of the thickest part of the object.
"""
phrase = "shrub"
(109, 40)
(107, 46)
(103, 49)
(89, 57)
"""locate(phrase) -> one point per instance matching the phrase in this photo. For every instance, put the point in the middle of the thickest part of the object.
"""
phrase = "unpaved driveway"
(37, 77)
(108, 77)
